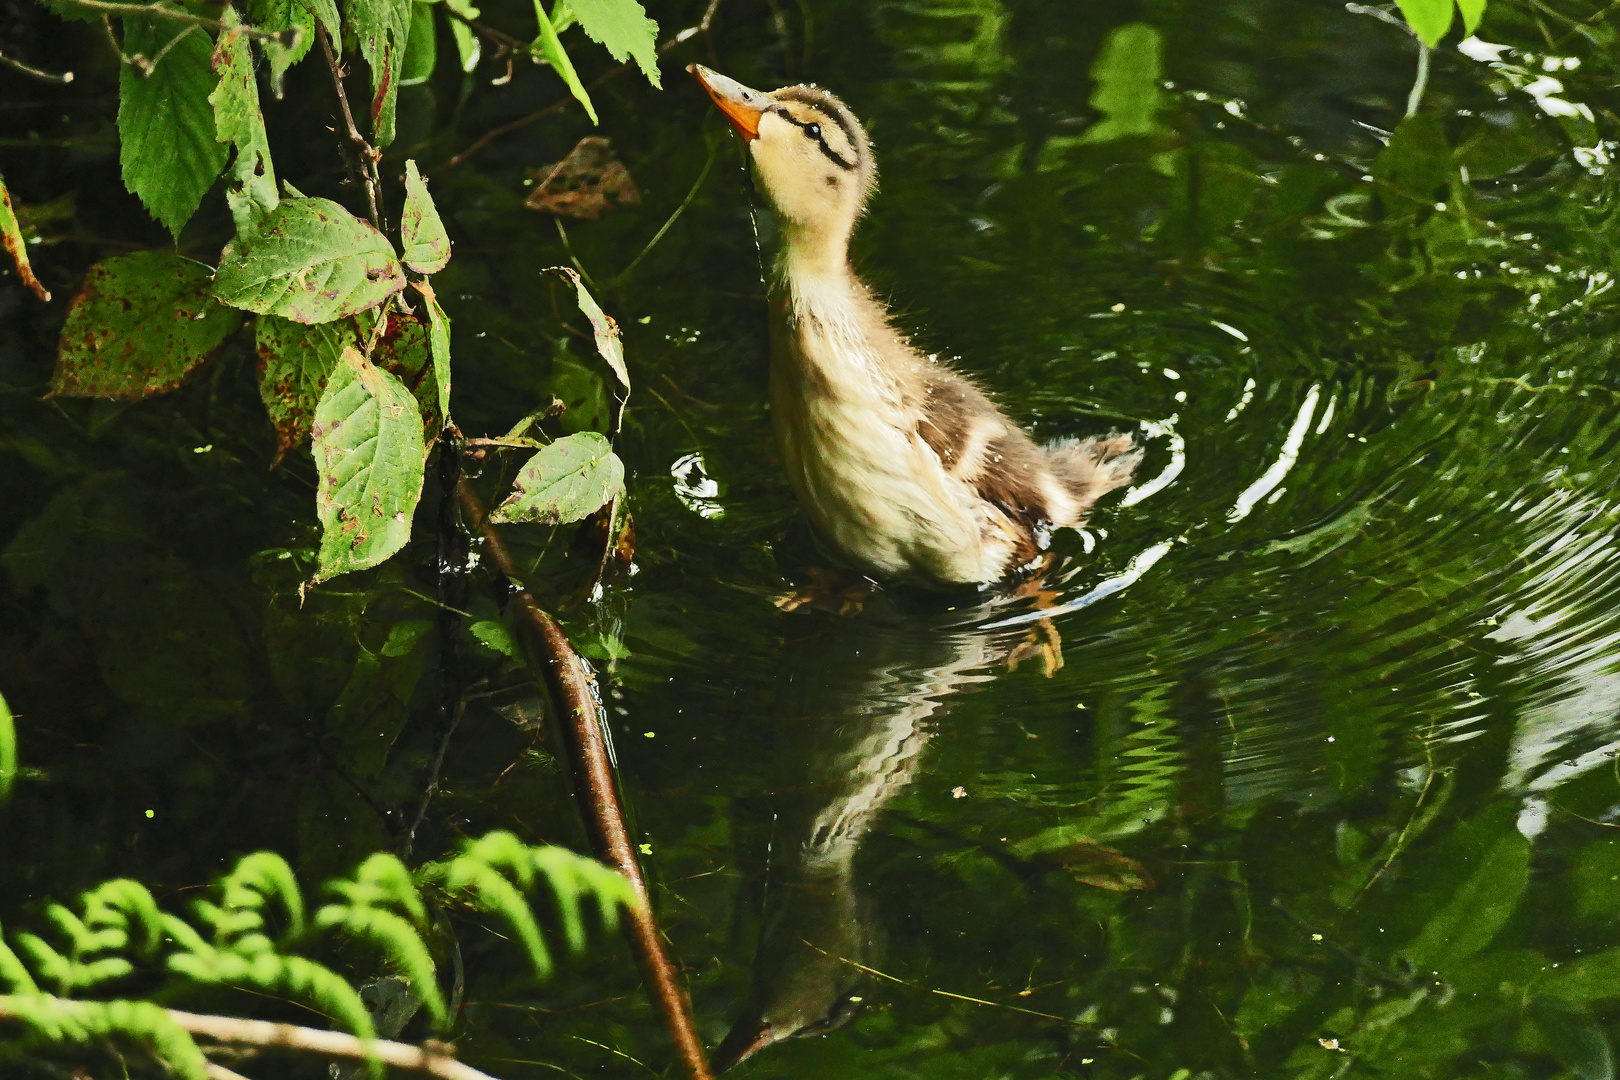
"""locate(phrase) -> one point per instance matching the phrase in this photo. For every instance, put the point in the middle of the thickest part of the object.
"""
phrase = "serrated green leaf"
(421, 230)
(369, 459)
(12, 237)
(1127, 74)
(250, 190)
(295, 360)
(439, 343)
(138, 325)
(311, 261)
(549, 48)
(381, 30)
(165, 123)
(622, 26)
(572, 478)
(302, 15)
(1429, 19)
(8, 751)
(405, 350)
(1472, 12)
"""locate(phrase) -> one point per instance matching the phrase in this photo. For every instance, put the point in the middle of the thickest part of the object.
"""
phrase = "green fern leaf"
(13, 975)
(396, 939)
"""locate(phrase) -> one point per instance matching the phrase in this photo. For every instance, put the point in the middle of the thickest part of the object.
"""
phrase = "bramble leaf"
(277, 15)
(294, 363)
(439, 343)
(11, 235)
(421, 231)
(549, 48)
(624, 28)
(1429, 19)
(603, 328)
(251, 188)
(165, 122)
(311, 261)
(1472, 12)
(573, 477)
(381, 28)
(369, 458)
(138, 325)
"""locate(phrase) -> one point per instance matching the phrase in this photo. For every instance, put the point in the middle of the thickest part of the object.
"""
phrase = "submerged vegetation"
(1325, 786)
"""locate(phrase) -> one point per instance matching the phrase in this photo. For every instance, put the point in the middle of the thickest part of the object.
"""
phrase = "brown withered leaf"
(1101, 866)
(583, 184)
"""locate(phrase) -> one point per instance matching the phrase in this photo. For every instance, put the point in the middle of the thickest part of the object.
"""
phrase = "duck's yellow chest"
(849, 440)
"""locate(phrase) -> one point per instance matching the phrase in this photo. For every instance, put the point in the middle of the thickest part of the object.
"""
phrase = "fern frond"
(393, 883)
(14, 976)
(123, 903)
(260, 877)
(49, 964)
(396, 939)
(484, 888)
(85, 941)
(294, 977)
(573, 877)
(57, 1020)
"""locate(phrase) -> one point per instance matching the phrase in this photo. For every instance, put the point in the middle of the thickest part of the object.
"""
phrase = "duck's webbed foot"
(827, 590)
(1042, 639)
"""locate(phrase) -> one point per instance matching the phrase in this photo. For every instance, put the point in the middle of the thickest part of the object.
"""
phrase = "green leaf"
(1430, 19)
(468, 48)
(11, 235)
(8, 750)
(1415, 168)
(422, 47)
(277, 15)
(369, 461)
(138, 325)
(251, 189)
(439, 343)
(1478, 909)
(605, 330)
(1575, 1037)
(550, 49)
(311, 261)
(295, 361)
(421, 231)
(573, 477)
(495, 636)
(1472, 12)
(405, 350)
(165, 123)
(381, 29)
(624, 28)
(1127, 74)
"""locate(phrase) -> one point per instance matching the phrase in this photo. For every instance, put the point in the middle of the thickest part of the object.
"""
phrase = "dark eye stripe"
(813, 130)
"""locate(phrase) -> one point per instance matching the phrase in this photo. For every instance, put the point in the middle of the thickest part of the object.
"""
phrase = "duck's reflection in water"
(861, 697)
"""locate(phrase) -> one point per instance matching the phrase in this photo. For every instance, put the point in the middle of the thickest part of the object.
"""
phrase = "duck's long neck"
(814, 255)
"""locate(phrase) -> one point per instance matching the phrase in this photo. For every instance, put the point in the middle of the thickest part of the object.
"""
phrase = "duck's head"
(811, 157)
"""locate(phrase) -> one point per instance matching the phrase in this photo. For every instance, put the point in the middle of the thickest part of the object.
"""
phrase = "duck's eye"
(812, 131)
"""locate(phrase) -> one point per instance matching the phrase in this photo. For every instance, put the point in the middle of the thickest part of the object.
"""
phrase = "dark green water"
(1327, 782)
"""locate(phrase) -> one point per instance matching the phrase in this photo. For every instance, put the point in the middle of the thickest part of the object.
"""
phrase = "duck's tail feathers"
(1091, 468)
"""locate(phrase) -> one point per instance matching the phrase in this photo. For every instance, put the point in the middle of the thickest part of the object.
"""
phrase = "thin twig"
(233, 1031)
(216, 1071)
(288, 38)
(701, 27)
(366, 153)
(679, 210)
(598, 791)
(37, 73)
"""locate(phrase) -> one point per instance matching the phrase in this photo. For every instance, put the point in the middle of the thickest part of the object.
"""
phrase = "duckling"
(903, 465)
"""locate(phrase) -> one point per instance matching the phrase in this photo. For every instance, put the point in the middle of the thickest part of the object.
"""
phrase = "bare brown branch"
(365, 156)
(599, 792)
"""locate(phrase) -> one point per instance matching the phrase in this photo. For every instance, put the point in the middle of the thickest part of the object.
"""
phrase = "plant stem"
(700, 27)
(363, 150)
(288, 38)
(1421, 83)
(597, 790)
(37, 73)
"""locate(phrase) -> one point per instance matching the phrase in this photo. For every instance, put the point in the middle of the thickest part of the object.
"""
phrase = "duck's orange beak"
(742, 106)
